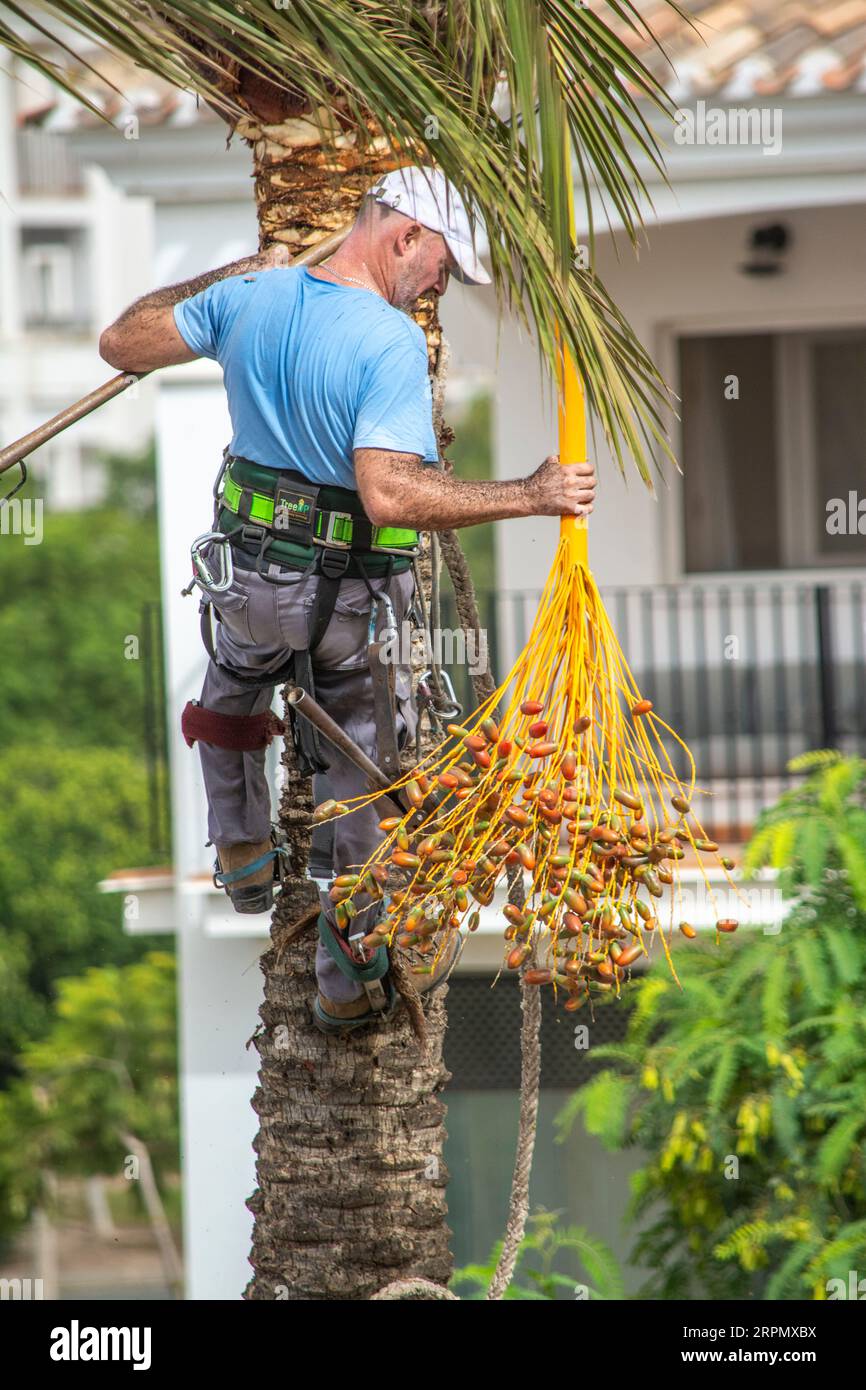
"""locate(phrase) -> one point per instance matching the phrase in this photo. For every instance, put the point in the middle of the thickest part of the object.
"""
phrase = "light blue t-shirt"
(313, 370)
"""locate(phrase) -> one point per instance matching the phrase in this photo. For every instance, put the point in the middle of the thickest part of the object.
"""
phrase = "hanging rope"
(530, 999)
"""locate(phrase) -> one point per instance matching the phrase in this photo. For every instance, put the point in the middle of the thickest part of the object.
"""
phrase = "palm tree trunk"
(351, 1181)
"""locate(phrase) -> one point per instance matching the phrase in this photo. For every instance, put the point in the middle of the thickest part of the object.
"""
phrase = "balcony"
(47, 166)
(749, 674)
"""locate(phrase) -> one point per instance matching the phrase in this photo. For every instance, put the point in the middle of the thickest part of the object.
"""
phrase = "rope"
(530, 1082)
(414, 1289)
(530, 1003)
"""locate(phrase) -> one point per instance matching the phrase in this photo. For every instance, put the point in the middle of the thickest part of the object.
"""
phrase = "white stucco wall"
(687, 279)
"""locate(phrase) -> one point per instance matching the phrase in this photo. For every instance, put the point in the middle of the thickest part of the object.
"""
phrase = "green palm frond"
(812, 845)
(426, 73)
(785, 1120)
(847, 962)
(853, 854)
(814, 759)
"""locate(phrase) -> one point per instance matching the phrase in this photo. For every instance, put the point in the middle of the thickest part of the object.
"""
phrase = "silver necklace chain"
(352, 278)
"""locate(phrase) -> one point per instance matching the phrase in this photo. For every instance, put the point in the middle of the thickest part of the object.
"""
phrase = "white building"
(783, 311)
(72, 248)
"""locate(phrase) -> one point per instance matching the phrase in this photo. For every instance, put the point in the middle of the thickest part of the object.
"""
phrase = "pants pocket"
(232, 606)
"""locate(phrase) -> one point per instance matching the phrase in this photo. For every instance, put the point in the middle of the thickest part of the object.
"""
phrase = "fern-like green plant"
(746, 1089)
(817, 828)
(546, 1247)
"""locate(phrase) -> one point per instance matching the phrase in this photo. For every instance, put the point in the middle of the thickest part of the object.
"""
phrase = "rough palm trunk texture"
(351, 1181)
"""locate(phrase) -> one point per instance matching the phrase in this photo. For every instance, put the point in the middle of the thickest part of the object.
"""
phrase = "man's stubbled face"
(427, 272)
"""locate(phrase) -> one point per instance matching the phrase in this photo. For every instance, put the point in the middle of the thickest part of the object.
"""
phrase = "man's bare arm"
(399, 490)
(145, 336)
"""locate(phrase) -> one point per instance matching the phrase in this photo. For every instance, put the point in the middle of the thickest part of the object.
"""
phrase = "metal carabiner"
(444, 714)
(19, 485)
(202, 575)
(455, 709)
(382, 600)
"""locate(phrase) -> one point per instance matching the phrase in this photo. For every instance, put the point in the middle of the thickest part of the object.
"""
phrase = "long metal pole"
(19, 449)
(321, 720)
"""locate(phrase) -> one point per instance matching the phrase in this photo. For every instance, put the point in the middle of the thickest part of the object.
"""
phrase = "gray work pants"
(261, 623)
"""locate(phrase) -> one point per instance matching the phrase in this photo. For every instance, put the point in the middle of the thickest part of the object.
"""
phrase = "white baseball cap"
(425, 195)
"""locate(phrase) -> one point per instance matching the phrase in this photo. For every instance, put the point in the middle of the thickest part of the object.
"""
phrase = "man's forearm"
(430, 500)
(397, 490)
(145, 336)
(169, 295)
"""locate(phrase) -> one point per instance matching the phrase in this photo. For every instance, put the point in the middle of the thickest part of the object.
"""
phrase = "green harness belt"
(294, 522)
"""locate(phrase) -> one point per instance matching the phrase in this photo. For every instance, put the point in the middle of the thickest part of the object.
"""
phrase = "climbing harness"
(279, 524)
(276, 521)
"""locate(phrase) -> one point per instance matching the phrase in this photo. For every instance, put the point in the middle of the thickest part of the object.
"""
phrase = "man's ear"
(408, 238)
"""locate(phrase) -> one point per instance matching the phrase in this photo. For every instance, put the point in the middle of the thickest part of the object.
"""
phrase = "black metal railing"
(749, 673)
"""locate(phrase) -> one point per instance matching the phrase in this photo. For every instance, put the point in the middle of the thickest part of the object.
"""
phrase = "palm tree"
(328, 94)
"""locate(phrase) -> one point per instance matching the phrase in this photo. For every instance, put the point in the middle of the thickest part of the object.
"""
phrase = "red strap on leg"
(242, 733)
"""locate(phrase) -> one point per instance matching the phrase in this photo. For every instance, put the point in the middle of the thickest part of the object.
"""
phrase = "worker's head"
(418, 230)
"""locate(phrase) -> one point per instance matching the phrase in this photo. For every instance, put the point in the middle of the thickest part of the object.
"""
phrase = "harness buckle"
(334, 563)
(330, 525)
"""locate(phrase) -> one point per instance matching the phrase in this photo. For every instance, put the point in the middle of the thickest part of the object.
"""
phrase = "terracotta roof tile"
(732, 48)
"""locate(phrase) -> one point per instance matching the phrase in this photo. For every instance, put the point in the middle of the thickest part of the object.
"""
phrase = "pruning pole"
(572, 409)
(20, 449)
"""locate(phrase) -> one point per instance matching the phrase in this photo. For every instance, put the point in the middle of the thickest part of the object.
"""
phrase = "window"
(53, 280)
(774, 450)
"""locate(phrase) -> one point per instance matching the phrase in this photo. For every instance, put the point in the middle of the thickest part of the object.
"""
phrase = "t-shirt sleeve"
(395, 406)
(202, 320)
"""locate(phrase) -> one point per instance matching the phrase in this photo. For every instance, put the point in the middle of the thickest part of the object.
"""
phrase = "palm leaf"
(842, 948)
(603, 1102)
(415, 68)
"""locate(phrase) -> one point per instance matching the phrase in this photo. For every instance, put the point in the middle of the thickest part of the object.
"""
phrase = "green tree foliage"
(747, 1086)
(68, 608)
(73, 789)
(68, 817)
(545, 1246)
(105, 1068)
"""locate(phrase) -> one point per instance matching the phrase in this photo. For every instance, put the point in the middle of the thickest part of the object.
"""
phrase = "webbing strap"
(242, 733)
(235, 875)
(341, 954)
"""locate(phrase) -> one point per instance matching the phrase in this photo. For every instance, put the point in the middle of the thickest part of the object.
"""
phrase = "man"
(330, 402)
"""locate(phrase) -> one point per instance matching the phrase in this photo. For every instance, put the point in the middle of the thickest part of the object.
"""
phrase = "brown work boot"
(252, 892)
(350, 1008)
(330, 1016)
